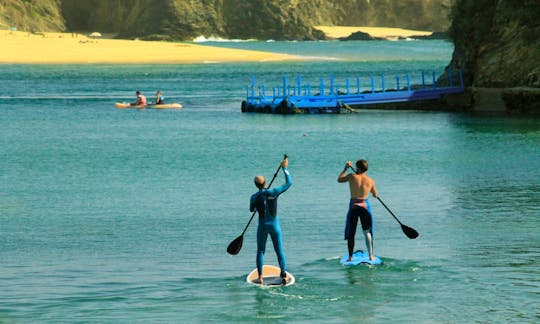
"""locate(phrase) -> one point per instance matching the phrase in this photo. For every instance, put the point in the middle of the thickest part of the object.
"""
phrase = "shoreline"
(69, 48)
(19, 47)
(389, 33)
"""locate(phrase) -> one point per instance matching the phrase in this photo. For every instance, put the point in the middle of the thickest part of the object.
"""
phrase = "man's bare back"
(361, 185)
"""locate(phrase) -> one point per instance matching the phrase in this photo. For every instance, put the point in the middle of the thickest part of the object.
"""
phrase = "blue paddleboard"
(360, 257)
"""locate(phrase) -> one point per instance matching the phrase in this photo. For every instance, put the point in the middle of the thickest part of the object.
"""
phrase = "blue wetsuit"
(265, 201)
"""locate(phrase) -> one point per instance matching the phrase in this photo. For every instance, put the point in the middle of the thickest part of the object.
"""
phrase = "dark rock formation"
(254, 19)
(497, 44)
(360, 36)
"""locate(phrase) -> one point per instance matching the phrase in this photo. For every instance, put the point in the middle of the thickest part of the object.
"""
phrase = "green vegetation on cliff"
(187, 19)
(31, 15)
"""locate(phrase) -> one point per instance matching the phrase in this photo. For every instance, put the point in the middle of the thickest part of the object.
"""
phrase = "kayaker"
(360, 186)
(159, 98)
(141, 99)
(265, 202)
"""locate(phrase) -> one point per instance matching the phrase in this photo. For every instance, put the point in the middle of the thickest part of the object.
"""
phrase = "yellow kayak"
(165, 106)
(122, 105)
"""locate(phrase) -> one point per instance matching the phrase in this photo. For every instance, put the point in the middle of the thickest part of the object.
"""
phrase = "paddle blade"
(410, 232)
(236, 245)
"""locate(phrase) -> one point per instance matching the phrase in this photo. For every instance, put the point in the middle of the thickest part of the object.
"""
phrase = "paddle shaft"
(388, 209)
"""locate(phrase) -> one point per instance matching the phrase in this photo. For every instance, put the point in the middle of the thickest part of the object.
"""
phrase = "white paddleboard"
(270, 277)
(360, 257)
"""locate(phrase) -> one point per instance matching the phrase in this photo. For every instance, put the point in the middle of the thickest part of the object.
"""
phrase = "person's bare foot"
(349, 259)
(371, 258)
(261, 281)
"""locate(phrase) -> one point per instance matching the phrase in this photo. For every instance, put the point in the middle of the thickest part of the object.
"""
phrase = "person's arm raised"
(343, 176)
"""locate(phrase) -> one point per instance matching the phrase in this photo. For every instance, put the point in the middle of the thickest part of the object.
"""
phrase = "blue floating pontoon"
(299, 98)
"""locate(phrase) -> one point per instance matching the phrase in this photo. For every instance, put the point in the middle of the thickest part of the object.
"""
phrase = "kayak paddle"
(235, 246)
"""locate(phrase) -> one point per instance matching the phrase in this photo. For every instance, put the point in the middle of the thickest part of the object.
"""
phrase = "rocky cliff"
(187, 19)
(32, 16)
(497, 44)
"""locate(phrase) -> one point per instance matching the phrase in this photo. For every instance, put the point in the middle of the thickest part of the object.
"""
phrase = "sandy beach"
(383, 32)
(20, 47)
(65, 48)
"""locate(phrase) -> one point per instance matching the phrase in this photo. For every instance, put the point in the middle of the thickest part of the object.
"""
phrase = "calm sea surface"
(111, 215)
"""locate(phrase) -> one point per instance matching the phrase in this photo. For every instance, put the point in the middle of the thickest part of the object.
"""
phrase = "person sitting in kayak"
(141, 99)
(160, 100)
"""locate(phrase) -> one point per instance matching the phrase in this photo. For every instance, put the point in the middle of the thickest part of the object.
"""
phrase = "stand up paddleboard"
(270, 277)
(360, 257)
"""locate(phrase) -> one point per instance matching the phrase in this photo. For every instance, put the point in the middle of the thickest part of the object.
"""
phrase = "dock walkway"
(301, 98)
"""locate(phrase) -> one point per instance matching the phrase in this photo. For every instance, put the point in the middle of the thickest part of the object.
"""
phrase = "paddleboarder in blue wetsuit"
(265, 202)
(360, 186)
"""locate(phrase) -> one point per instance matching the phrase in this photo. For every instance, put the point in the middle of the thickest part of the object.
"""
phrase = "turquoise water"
(111, 215)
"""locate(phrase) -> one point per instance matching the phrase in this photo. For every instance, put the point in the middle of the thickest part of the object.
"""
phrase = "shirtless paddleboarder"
(360, 186)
